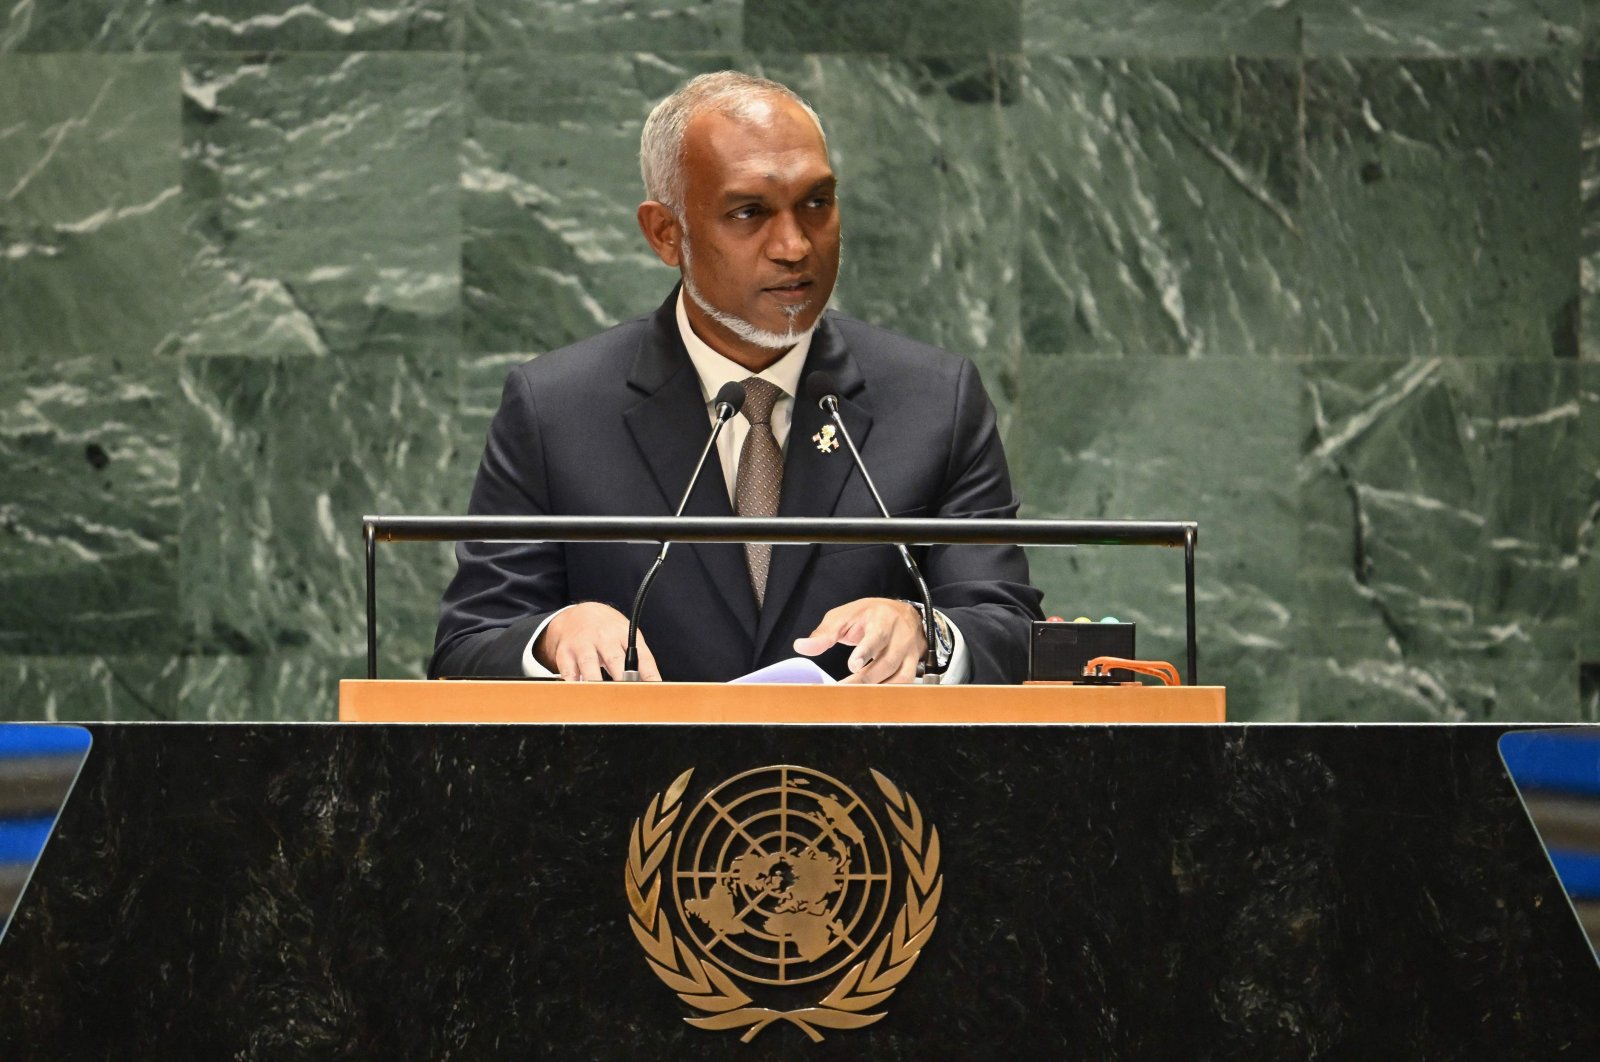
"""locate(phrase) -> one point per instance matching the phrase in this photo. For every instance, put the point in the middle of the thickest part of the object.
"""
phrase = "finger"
(813, 645)
(571, 658)
(566, 664)
(870, 646)
(868, 674)
(880, 669)
(614, 657)
(875, 673)
(647, 663)
(826, 634)
(908, 669)
(588, 659)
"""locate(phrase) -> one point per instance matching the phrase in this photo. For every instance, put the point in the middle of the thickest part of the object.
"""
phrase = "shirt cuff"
(531, 668)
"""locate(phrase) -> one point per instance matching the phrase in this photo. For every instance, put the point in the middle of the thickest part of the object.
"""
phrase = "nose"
(786, 240)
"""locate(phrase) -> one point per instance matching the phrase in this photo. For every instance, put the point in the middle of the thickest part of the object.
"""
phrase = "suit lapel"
(812, 480)
(669, 426)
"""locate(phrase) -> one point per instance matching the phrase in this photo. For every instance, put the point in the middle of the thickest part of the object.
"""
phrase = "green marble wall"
(1321, 274)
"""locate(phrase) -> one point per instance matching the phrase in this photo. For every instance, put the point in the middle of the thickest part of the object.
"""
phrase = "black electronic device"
(1057, 651)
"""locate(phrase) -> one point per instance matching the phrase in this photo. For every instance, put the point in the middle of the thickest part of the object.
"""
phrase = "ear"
(661, 228)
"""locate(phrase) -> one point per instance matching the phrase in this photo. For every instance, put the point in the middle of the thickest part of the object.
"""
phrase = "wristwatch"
(941, 628)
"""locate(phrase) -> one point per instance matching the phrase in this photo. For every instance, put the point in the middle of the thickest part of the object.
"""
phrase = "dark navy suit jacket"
(612, 426)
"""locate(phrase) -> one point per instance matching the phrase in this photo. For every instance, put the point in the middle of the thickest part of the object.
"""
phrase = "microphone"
(819, 387)
(729, 400)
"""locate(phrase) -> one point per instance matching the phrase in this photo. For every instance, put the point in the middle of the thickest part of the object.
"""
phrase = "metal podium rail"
(925, 532)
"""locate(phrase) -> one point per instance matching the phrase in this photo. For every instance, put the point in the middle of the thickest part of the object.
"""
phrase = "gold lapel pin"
(825, 440)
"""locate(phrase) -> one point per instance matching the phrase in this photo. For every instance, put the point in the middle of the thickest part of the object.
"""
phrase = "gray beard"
(746, 331)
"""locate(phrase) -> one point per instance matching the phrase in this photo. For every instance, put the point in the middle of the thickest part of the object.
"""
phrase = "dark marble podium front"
(319, 891)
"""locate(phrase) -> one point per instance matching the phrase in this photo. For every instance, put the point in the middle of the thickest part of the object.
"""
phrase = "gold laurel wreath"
(703, 985)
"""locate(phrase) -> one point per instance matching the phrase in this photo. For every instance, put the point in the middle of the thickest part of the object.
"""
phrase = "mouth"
(791, 292)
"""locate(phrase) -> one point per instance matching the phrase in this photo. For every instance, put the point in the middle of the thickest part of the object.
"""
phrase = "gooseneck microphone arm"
(819, 385)
(729, 400)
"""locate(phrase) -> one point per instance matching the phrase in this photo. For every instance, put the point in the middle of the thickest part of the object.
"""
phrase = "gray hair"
(661, 144)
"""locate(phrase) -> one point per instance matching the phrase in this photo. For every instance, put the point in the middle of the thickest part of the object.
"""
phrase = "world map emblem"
(780, 898)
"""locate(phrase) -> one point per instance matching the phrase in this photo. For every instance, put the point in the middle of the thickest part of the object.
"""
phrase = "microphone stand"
(930, 672)
(729, 399)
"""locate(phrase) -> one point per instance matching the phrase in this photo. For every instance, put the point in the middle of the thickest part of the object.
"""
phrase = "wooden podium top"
(385, 701)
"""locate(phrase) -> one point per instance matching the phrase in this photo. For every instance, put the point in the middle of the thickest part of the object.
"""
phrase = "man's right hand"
(585, 637)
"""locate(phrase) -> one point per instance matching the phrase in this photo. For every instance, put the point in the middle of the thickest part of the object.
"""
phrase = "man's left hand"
(888, 636)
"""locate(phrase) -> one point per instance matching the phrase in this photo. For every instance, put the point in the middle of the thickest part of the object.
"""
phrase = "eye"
(746, 212)
(820, 202)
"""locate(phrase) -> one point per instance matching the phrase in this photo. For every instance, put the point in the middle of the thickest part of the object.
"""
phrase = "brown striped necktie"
(760, 481)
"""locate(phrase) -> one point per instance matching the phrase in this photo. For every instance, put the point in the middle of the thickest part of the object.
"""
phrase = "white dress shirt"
(715, 370)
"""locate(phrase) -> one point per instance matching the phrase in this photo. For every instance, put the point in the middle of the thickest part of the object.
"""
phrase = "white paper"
(797, 670)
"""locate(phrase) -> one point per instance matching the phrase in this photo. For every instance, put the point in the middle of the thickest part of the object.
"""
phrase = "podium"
(259, 890)
(686, 703)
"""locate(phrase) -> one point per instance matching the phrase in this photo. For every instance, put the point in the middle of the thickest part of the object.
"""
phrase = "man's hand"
(582, 639)
(887, 634)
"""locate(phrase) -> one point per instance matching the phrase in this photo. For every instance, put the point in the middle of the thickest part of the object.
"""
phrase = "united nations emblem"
(781, 880)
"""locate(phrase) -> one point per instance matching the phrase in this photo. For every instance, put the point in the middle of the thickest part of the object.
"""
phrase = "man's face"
(761, 246)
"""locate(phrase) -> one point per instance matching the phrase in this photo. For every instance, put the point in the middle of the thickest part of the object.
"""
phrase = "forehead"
(770, 143)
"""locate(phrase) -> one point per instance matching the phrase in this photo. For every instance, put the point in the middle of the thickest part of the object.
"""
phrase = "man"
(742, 202)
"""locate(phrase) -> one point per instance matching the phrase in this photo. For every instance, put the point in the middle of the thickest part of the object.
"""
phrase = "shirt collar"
(715, 370)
